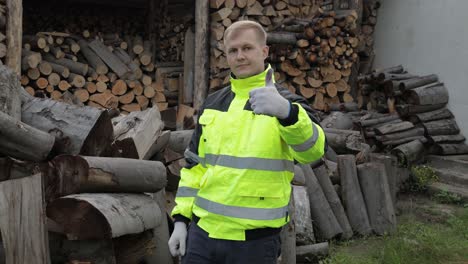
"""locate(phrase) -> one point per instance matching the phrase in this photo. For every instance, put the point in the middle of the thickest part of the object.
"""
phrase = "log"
(302, 216)
(92, 58)
(380, 120)
(417, 131)
(351, 195)
(79, 174)
(376, 192)
(345, 143)
(110, 59)
(14, 32)
(321, 212)
(202, 54)
(60, 69)
(409, 153)
(441, 127)
(180, 140)
(409, 109)
(299, 178)
(10, 100)
(332, 197)
(450, 149)
(30, 59)
(392, 128)
(397, 142)
(288, 237)
(417, 82)
(446, 139)
(77, 130)
(311, 253)
(11, 168)
(281, 38)
(136, 133)
(73, 66)
(20, 140)
(442, 113)
(104, 216)
(189, 66)
(427, 96)
(81, 251)
(23, 216)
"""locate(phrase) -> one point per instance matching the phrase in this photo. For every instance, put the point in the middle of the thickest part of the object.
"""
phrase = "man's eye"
(247, 48)
(232, 51)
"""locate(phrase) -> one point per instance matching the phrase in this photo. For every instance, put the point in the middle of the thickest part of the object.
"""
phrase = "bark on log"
(311, 253)
(137, 132)
(409, 153)
(376, 192)
(392, 128)
(78, 174)
(446, 139)
(345, 143)
(417, 82)
(10, 100)
(299, 178)
(332, 197)
(397, 142)
(302, 217)
(73, 66)
(92, 58)
(441, 127)
(391, 172)
(442, 113)
(201, 53)
(450, 149)
(77, 130)
(110, 59)
(22, 222)
(11, 168)
(320, 210)
(409, 109)
(180, 140)
(428, 96)
(414, 132)
(104, 216)
(281, 38)
(19, 140)
(380, 120)
(353, 200)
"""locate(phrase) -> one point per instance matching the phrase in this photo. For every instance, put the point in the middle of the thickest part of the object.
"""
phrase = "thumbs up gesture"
(267, 100)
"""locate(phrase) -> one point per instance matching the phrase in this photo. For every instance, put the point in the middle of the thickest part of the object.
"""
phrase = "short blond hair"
(243, 25)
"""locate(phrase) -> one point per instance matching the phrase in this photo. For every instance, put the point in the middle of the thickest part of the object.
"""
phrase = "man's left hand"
(267, 100)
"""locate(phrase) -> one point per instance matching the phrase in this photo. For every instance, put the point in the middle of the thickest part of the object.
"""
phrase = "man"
(236, 187)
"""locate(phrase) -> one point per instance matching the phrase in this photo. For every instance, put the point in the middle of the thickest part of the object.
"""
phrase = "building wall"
(428, 36)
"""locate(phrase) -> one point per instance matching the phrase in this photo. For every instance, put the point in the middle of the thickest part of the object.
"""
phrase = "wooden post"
(189, 66)
(14, 31)
(201, 52)
(288, 237)
(23, 222)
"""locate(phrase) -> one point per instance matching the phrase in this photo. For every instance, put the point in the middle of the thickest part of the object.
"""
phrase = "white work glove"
(178, 239)
(267, 100)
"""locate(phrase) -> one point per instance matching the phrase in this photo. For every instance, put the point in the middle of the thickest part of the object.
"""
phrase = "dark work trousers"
(202, 249)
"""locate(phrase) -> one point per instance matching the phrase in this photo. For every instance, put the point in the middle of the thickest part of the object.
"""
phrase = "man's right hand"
(178, 239)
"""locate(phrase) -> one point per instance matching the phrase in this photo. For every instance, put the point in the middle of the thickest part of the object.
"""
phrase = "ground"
(429, 232)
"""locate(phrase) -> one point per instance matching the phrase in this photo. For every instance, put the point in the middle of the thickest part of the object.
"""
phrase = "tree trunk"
(311, 253)
(77, 130)
(351, 194)
(19, 140)
(201, 52)
(10, 100)
(320, 210)
(104, 216)
(137, 132)
(441, 127)
(376, 192)
(409, 153)
(302, 216)
(334, 201)
(22, 222)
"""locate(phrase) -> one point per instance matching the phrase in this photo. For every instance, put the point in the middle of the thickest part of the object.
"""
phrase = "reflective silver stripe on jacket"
(186, 192)
(309, 143)
(241, 212)
(243, 162)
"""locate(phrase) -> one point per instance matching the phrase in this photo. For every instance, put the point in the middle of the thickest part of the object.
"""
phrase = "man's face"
(245, 54)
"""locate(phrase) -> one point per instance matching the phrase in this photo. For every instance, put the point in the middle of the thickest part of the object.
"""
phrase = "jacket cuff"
(181, 218)
(292, 117)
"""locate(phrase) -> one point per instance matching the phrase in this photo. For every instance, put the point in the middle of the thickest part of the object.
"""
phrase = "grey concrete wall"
(428, 36)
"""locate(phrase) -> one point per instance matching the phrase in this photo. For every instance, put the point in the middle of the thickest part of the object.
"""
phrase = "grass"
(428, 234)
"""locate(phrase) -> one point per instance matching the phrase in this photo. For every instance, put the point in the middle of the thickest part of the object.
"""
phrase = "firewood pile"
(98, 174)
(3, 46)
(103, 61)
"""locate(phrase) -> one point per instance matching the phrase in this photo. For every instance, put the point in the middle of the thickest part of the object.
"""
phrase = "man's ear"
(265, 50)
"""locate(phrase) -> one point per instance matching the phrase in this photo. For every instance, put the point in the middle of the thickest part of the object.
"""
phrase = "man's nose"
(240, 55)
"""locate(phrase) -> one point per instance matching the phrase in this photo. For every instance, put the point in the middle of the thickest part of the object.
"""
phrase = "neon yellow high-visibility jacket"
(240, 164)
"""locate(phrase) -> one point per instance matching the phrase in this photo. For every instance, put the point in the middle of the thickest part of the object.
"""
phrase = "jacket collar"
(242, 87)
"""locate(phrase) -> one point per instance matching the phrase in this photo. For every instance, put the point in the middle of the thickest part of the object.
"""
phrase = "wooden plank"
(14, 32)
(201, 52)
(23, 221)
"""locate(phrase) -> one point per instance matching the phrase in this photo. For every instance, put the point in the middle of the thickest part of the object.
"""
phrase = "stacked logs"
(3, 47)
(311, 50)
(417, 122)
(366, 38)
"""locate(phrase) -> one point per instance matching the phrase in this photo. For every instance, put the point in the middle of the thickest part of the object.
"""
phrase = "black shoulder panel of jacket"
(300, 100)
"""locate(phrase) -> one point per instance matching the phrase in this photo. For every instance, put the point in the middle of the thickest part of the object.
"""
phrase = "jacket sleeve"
(301, 130)
(190, 177)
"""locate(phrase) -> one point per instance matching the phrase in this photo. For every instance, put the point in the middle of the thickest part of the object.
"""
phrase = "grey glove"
(267, 100)
(177, 242)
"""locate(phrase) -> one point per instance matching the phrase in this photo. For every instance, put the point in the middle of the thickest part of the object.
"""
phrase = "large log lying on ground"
(390, 171)
(410, 152)
(320, 210)
(22, 222)
(104, 216)
(22, 141)
(302, 216)
(136, 133)
(312, 253)
(449, 149)
(352, 195)
(441, 127)
(334, 201)
(77, 130)
(78, 174)
(376, 192)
